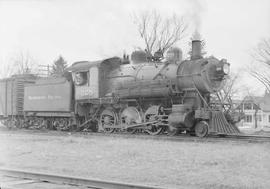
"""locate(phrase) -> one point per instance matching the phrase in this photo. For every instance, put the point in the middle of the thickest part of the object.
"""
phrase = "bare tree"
(20, 63)
(262, 52)
(6, 70)
(230, 89)
(159, 33)
(23, 63)
(261, 70)
(227, 98)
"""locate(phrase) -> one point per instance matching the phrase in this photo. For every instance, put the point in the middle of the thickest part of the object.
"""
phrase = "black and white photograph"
(132, 94)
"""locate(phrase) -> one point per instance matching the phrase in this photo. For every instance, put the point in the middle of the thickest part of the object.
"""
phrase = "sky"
(97, 29)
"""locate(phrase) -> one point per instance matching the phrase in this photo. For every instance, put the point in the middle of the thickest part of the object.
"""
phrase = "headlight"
(226, 68)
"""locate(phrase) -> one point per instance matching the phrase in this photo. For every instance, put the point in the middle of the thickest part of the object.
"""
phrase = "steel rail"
(246, 136)
(63, 179)
(181, 137)
(250, 138)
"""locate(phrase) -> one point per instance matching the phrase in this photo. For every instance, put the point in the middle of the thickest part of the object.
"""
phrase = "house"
(256, 110)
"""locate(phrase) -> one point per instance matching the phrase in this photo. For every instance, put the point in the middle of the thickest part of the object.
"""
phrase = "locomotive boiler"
(207, 75)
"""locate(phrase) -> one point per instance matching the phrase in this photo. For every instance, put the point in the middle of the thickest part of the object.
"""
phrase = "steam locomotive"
(139, 94)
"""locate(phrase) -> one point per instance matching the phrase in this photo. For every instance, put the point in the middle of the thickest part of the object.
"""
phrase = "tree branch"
(159, 33)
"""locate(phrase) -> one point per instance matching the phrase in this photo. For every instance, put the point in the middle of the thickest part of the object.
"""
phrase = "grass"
(163, 163)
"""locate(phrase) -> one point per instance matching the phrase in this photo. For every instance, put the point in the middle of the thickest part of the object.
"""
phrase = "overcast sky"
(95, 29)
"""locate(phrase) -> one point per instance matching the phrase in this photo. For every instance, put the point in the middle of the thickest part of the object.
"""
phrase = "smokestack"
(196, 52)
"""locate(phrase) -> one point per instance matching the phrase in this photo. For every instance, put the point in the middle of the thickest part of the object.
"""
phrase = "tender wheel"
(5, 123)
(9, 123)
(130, 116)
(35, 123)
(56, 125)
(19, 123)
(108, 119)
(201, 129)
(49, 124)
(61, 124)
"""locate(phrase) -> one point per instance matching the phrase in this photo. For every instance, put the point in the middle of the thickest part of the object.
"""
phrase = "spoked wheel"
(151, 115)
(108, 119)
(152, 129)
(130, 116)
(201, 129)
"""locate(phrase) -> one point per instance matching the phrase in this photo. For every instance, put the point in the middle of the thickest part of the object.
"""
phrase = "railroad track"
(185, 137)
(251, 138)
(210, 138)
(14, 179)
(180, 137)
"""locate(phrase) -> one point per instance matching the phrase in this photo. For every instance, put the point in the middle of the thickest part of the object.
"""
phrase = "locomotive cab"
(90, 78)
(85, 82)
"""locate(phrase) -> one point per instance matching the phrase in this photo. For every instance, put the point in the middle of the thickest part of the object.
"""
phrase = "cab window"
(81, 78)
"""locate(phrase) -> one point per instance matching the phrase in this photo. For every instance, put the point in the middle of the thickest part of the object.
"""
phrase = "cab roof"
(86, 65)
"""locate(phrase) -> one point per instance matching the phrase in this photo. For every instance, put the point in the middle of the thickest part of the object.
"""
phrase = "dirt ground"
(168, 164)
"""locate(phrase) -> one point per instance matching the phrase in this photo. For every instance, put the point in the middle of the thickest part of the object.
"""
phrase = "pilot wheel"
(201, 129)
